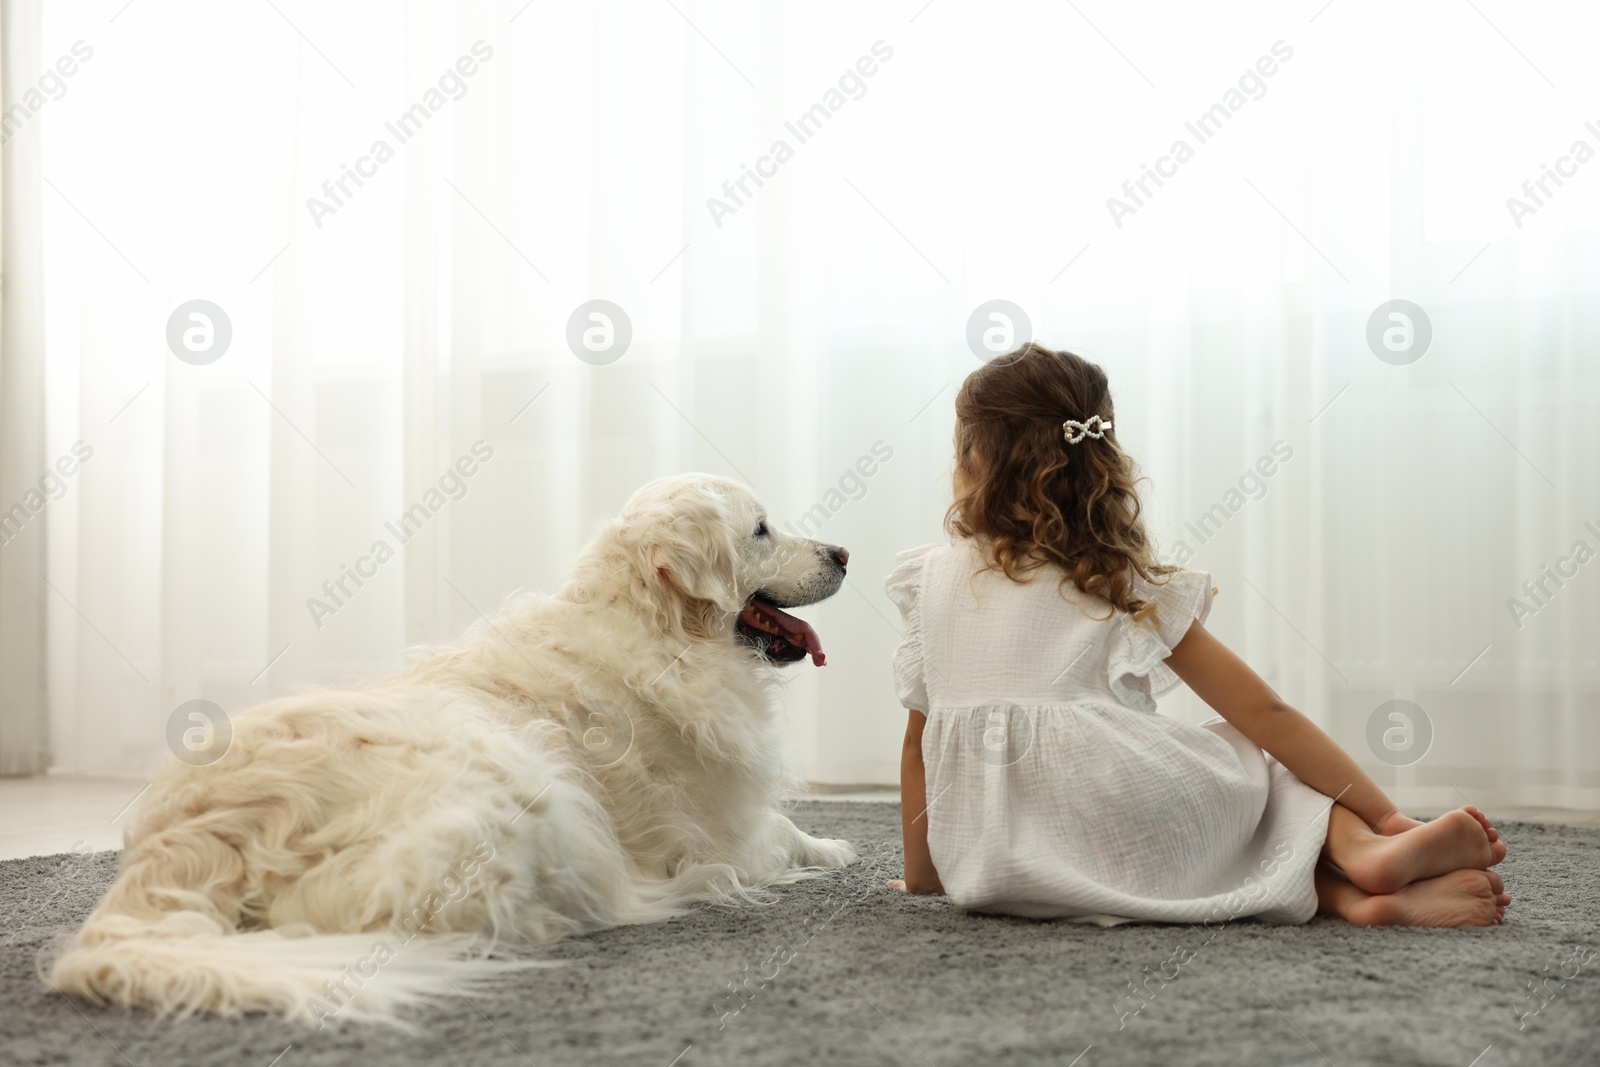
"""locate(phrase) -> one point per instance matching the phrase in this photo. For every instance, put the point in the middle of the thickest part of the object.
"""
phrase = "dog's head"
(713, 565)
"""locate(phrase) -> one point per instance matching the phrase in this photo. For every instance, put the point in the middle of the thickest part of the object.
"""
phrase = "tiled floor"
(63, 813)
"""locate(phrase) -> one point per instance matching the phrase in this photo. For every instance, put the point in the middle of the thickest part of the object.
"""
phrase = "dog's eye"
(761, 529)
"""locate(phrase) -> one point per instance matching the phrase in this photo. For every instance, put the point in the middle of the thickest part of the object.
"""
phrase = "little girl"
(1037, 778)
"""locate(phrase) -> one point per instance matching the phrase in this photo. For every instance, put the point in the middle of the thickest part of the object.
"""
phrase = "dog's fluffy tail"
(186, 961)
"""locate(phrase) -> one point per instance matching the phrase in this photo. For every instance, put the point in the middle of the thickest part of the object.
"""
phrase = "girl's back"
(1040, 641)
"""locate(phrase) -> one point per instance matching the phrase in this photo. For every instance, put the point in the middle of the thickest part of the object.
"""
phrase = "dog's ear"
(691, 549)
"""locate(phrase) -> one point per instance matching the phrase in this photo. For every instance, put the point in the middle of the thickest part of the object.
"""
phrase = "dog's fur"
(607, 755)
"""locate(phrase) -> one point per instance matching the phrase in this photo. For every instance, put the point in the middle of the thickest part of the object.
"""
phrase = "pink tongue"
(797, 629)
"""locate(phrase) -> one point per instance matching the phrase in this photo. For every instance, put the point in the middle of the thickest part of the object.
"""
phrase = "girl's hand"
(1395, 823)
(932, 888)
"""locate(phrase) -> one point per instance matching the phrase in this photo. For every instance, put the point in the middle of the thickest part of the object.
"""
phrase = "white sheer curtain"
(24, 730)
(1355, 155)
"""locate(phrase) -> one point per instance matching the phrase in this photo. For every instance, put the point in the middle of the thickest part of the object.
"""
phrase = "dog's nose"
(839, 553)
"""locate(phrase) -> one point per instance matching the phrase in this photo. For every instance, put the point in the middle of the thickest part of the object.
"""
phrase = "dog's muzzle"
(778, 636)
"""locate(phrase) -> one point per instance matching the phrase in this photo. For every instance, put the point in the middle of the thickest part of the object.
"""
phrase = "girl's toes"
(1497, 849)
(1496, 883)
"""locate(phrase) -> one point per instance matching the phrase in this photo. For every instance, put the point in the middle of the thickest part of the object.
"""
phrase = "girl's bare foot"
(1454, 841)
(1396, 822)
(1483, 820)
(1460, 898)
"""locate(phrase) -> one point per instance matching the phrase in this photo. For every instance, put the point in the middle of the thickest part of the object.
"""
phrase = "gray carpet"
(844, 970)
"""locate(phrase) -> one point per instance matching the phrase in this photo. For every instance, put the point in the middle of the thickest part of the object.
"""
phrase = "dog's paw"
(828, 852)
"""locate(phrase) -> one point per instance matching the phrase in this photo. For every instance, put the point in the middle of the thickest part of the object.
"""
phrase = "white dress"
(1055, 788)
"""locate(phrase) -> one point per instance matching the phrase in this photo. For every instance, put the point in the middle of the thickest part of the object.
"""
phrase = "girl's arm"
(1240, 696)
(920, 875)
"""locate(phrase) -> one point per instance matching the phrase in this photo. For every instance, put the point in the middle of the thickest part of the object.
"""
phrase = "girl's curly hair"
(1038, 500)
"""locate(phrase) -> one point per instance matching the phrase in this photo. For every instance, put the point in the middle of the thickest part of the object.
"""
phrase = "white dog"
(603, 756)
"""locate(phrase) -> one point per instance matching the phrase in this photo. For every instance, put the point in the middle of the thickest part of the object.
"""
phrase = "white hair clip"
(1076, 431)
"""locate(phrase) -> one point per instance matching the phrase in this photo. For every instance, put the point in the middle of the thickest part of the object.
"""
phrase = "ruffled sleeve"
(904, 587)
(1137, 673)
